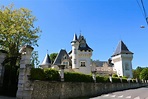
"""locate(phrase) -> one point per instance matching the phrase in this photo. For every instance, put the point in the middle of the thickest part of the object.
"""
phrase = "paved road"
(140, 93)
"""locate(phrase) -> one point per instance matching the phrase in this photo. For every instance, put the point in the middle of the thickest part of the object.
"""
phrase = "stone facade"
(24, 84)
(103, 68)
(66, 90)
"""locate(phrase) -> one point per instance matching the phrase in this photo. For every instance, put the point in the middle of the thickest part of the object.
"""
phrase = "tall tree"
(137, 71)
(16, 30)
(144, 74)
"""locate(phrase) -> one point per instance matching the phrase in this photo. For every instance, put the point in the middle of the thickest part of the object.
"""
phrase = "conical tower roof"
(74, 38)
(46, 60)
(121, 49)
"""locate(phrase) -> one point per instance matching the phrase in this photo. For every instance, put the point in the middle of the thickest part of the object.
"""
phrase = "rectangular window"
(65, 63)
(83, 64)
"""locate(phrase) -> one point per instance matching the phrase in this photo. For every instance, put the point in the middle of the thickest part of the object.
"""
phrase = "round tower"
(74, 54)
(122, 60)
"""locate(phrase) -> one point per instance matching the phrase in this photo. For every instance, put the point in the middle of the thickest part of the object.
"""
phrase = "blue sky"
(102, 22)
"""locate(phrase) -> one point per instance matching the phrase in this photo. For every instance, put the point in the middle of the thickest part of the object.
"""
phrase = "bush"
(100, 79)
(124, 80)
(77, 77)
(37, 74)
(51, 74)
(116, 80)
(115, 75)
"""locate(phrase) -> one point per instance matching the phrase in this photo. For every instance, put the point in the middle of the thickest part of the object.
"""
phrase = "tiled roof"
(121, 49)
(46, 60)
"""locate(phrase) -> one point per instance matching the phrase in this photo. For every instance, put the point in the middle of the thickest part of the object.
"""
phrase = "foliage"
(51, 74)
(124, 80)
(144, 74)
(100, 79)
(53, 56)
(115, 75)
(34, 59)
(16, 30)
(37, 74)
(77, 77)
(116, 80)
(137, 71)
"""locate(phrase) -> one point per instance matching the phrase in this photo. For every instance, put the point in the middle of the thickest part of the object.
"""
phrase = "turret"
(75, 45)
(46, 62)
(122, 60)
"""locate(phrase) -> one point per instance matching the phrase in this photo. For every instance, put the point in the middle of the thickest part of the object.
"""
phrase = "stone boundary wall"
(66, 90)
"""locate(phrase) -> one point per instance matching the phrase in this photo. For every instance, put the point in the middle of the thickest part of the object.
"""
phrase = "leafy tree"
(144, 74)
(53, 56)
(137, 71)
(16, 30)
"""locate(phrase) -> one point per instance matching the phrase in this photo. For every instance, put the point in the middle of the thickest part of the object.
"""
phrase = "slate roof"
(85, 48)
(100, 63)
(62, 54)
(75, 38)
(83, 40)
(121, 49)
(46, 60)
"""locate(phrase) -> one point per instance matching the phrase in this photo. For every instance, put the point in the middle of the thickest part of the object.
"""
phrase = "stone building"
(122, 60)
(120, 63)
(77, 60)
(103, 68)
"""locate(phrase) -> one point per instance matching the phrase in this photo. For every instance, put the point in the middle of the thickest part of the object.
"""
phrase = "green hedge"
(53, 75)
(37, 74)
(116, 80)
(77, 77)
(100, 79)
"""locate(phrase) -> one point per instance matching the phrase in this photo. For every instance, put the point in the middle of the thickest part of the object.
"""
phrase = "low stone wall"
(66, 90)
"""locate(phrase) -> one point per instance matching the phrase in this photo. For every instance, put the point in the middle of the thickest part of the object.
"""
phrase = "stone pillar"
(24, 85)
(2, 58)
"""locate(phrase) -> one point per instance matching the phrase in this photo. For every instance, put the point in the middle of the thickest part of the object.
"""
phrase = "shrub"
(100, 79)
(133, 80)
(115, 75)
(124, 80)
(116, 80)
(51, 74)
(37, 74)
(77, 77)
